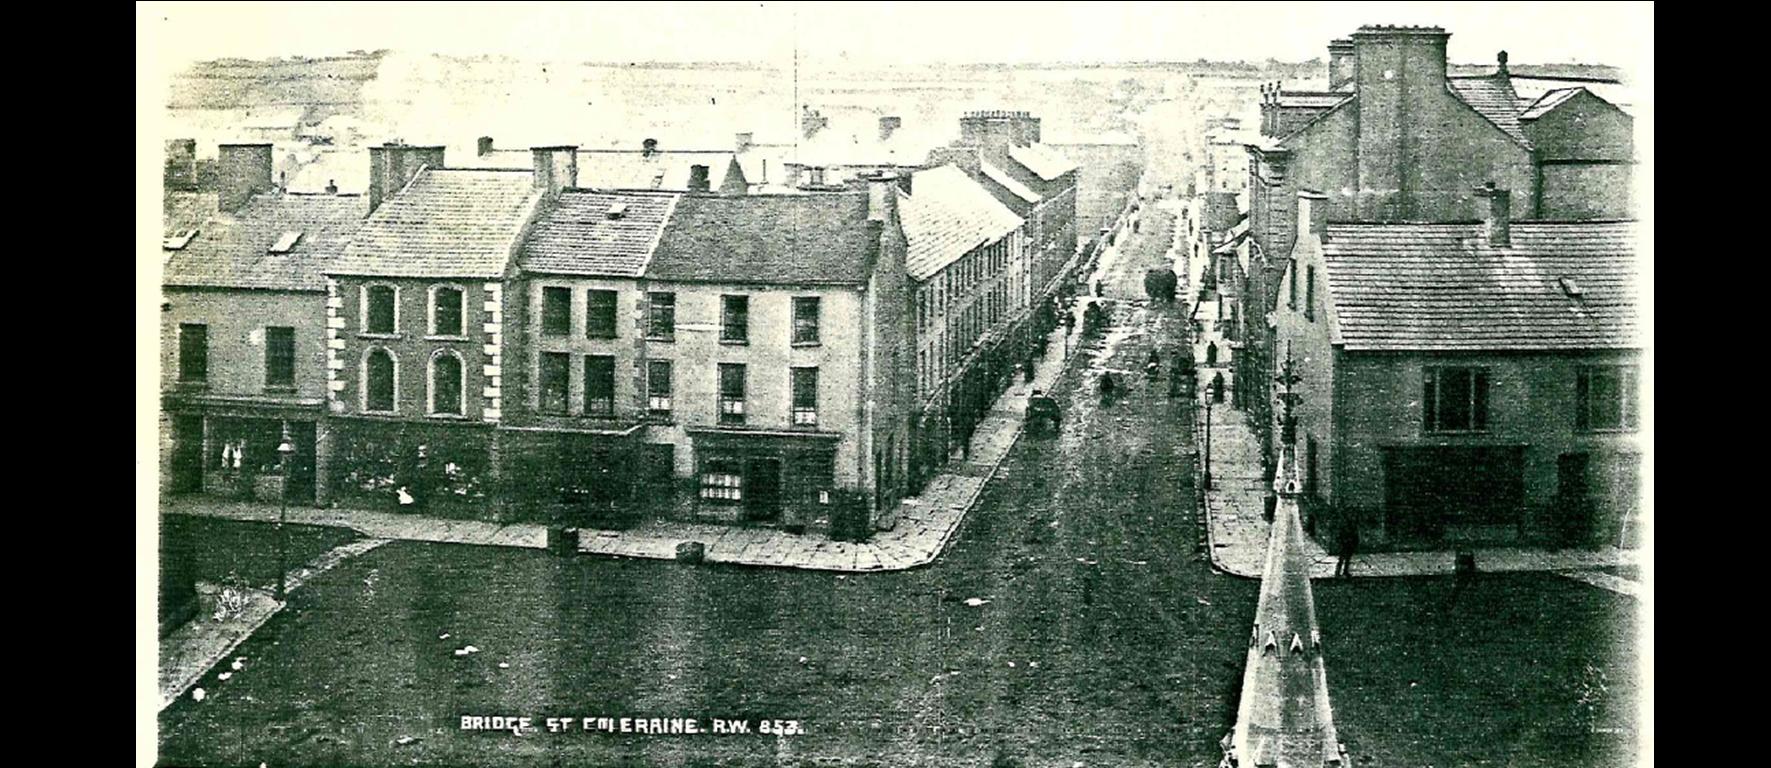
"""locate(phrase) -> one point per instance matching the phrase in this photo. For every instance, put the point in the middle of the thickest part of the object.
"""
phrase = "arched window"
(445, 383)
(380, 372)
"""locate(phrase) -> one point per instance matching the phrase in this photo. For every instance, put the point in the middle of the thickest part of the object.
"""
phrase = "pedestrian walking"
(1348, 545)
(1211, 354)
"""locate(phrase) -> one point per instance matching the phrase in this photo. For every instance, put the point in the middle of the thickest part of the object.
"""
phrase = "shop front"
(763, 477)
(231, 450)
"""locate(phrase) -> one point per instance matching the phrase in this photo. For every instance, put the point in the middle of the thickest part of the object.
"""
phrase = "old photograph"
(1009, 385)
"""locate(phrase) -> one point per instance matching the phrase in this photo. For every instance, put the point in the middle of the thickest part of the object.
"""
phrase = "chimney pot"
(698, 179)
(1501, 59)
(649, 147)
(485, 146)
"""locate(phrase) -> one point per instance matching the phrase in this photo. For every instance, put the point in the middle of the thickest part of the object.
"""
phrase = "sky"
(876, 33)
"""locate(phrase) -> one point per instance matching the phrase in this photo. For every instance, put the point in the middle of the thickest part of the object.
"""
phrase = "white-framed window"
(1605, 398)
(447, 384)
(722, 482)
(448, 311)
(731, 393)
(658, 388)
(1455, 400)
(380, 303)
(380, 379)
(803, 386)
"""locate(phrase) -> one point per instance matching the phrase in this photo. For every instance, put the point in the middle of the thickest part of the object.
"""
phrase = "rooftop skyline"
(179, 33)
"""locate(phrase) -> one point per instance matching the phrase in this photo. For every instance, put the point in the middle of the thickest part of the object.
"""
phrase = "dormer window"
(178, 240)
(617, 210)
(286, 242)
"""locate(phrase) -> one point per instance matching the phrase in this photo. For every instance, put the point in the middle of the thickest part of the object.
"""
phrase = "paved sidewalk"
(925, 524)
(190, 651)
(1237, 527)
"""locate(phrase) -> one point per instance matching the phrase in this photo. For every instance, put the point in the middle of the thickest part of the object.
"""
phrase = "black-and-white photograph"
(1000, 385)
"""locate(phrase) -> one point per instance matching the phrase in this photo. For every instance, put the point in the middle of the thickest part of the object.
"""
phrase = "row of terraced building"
(516, 344)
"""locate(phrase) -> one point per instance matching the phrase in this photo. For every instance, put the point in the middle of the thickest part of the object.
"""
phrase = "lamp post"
(285, 450)
(1207, 473)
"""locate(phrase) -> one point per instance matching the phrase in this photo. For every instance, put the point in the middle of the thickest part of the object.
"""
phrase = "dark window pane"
(658, 387)
(1479, 399)
(279, 357)
(556, 311)
(379, 389)
(447, 318)
(661, 319)
(1583, 401)
(1454, 399)
(806, 311)
(599, 314)
(193, 352)
(445, 385)
(556, 381)
(731, 393)
(805, 396)
(381, 309)
(734, 318)
(599, 385)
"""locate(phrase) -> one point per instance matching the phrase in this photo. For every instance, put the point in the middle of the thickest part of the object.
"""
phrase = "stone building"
(972, 284)
(415, 312)
(745, 354)
(1464, 382)
(243, 332)
(1395, 139)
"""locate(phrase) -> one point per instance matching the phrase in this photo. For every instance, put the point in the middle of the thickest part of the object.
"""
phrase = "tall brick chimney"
(1497, 214)
(1401, 80)
(1312, 218)
(1342, 64)
(242, 170)
(181, 164)
(556, 168)
(392, 166)
(995, 130)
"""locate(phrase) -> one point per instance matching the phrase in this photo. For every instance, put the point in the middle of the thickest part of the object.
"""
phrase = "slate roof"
(232, 250)
(1043, 161)
(446, 223)
(1493, 98)
(581, 235)
(1437, 287)
(1008, 182)
(788, 239)
(186, 210)
(1550, 100)
(945, 216)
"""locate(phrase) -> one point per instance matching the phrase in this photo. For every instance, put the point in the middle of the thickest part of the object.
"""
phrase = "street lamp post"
(285, 450)
(1207, 474)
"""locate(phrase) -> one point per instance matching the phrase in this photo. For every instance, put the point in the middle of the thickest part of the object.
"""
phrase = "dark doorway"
(762, 489)
(301, 464)
(187, 454)
(1574, 497)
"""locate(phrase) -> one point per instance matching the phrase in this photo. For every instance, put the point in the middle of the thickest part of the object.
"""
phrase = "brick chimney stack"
(1342, 64)
(556, 168)
(1497, 215)
(243, 170)
(889, 125)
(392, 166)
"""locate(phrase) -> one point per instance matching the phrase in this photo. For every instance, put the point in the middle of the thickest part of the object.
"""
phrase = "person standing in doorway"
(1348, 545)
